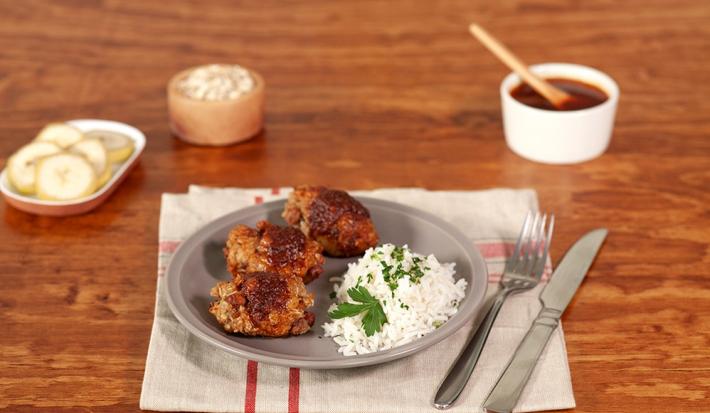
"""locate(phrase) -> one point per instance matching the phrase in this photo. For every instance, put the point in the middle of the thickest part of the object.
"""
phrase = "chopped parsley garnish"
(398, 253)
(392, 275)
(389, 277)
(374, 317)
(416, 274)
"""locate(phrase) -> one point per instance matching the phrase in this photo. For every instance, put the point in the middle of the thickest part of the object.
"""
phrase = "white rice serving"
(417, 293)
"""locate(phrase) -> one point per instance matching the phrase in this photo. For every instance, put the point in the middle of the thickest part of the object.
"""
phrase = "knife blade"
(555, 297)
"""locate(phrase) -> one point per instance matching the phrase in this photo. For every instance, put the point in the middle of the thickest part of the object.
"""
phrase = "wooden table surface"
(362, 94)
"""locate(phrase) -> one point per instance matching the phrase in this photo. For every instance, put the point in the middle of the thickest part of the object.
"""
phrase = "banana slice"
(103, 178)
(62, 134)
(94, 151)
(64, 176)
(118, 145)
(21, 166)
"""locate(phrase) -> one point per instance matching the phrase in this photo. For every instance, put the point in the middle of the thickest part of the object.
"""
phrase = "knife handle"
(510, 385)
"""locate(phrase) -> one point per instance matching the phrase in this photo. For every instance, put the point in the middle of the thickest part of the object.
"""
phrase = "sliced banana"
(64, 176)
(95, 152)
(103, 178)
(62, 134)
(21, 166)
(118, 145)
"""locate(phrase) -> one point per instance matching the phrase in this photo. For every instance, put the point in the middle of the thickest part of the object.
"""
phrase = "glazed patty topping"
(329, 206)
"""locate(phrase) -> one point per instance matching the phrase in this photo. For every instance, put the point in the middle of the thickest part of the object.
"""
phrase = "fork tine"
(540, 267)
(513, 260)
(539, 240)
(530, 251)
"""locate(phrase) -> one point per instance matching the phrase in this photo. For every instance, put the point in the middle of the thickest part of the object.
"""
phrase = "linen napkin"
(184, 374)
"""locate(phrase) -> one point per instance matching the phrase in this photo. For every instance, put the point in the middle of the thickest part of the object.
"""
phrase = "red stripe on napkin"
(168, 246)
(275, 191)
(250, 395)
(495, 249)
(494, 277)
(502, 251)
(252, 366)
(294, 381)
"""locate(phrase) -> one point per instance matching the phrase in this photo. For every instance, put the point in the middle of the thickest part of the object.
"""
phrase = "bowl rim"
(573, 71)
(175, 93)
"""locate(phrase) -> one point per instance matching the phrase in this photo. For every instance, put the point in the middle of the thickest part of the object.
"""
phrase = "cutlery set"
(523, 272)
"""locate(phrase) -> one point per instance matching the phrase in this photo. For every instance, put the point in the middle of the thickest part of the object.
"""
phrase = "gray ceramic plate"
(198, 264)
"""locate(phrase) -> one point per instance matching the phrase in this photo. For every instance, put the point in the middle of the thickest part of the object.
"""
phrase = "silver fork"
(522, 272)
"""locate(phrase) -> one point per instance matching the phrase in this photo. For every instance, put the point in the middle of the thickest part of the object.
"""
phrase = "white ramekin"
(557, 137)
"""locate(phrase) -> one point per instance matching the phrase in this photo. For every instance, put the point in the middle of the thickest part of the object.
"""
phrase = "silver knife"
(557, 294)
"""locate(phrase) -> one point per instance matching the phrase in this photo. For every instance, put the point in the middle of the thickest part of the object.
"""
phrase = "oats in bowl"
(216, 82)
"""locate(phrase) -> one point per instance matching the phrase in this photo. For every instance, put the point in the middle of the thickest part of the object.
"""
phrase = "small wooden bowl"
(36, 206)
(218, 122)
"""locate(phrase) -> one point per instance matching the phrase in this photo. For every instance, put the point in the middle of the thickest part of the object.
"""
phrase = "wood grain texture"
(362, 94)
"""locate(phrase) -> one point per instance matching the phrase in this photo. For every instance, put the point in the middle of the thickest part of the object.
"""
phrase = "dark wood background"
(362, 94)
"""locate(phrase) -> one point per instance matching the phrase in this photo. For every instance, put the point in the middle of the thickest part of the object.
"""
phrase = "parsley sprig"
(374, 317)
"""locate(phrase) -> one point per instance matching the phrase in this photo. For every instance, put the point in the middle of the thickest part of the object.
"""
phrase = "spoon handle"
(551, 93)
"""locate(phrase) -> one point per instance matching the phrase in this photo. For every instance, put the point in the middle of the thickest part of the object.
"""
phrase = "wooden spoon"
(554, 95)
